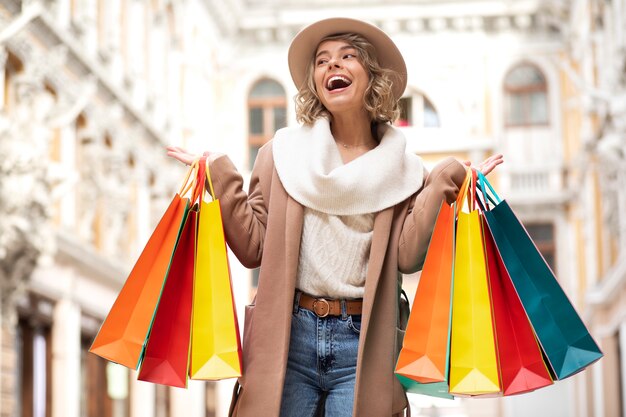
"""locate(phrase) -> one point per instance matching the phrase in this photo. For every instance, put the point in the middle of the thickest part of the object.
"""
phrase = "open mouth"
(336, 82)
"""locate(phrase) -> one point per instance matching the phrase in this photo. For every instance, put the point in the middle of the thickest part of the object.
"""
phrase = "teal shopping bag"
(565, 340)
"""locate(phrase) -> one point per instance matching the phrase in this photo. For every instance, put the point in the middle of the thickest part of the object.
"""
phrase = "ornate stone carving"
(24, 188)
(26, 183)
(603, 99)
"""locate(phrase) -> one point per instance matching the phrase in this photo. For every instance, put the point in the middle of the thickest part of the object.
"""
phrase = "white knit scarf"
(310, 168)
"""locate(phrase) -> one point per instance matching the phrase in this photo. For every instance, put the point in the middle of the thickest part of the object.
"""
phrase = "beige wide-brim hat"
(304, 45)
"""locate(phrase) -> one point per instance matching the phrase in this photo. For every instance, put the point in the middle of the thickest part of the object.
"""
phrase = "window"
(543, 236)
(267, 112)
(104, 386)
(13, 67)
(525, 97)
(417, 110)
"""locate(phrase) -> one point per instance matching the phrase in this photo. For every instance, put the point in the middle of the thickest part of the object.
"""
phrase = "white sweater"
(333, 254)
(340, 201)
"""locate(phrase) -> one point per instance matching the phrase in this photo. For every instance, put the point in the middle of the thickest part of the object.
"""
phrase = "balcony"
(533, 184)
(542, 183)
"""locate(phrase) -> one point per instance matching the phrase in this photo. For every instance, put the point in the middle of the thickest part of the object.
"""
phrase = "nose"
(334, 63)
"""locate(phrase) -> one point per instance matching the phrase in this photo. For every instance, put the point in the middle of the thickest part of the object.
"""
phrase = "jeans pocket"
(354, 323)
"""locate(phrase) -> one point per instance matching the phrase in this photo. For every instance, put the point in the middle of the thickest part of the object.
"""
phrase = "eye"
(322, 61)
(348, 56)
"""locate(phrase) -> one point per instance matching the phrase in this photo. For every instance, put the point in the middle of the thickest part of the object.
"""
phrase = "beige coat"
(263, 228)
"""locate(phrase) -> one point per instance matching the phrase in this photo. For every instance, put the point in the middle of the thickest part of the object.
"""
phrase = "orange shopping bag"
(422, 366)
(124, 331)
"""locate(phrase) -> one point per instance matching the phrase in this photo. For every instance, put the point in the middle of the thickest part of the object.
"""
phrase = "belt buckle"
(322, 302)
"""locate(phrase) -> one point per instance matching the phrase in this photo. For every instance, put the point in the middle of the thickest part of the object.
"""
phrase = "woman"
(335, 211)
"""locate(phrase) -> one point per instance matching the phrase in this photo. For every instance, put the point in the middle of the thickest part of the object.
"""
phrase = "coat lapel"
(293, 234)
(380, 241)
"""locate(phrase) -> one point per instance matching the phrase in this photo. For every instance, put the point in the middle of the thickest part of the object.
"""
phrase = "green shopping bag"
(565, 340)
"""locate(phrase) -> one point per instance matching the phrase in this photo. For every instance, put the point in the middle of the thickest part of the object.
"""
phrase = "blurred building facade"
(94, 89)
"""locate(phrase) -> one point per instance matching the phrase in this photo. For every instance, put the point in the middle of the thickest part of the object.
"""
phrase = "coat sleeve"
(244, 215)
(442, 183)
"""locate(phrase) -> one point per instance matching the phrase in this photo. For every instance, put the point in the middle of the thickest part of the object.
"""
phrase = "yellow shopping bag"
(473, 360)
(215, 344)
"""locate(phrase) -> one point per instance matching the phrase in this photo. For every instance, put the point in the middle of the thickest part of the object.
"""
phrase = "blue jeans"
(321, 365)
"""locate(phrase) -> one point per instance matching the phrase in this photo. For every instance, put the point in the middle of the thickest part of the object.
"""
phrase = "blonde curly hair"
(380, 103)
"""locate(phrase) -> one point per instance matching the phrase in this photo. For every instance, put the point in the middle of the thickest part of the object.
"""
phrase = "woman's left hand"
(488, 164)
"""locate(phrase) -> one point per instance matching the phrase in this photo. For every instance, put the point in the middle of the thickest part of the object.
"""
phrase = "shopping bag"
(422, 365)
(565, 340)
(473, 360)
(423, 359)
(520, 359)
(166, 357)
(215, 344)
(123, 333)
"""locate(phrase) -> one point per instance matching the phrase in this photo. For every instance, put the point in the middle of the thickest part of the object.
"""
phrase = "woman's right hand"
(181, 154)
(186, 157)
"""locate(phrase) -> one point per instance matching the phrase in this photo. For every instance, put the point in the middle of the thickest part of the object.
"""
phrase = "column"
(62, 13)
(224, 390)
(89, 18)
(598, 388)
(135, 40)
(141, 397)
(66, 385)
(621, 213)
(68, 159)
(622, 350)
(8, 355)
(176, 106)
(189, 402)
(114, 39)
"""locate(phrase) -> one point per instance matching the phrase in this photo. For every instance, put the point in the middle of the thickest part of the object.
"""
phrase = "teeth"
(337, 78)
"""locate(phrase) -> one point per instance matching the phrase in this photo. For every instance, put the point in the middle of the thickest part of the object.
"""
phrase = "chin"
(342, 104)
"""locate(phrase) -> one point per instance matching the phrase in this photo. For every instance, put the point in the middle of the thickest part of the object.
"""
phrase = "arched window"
(525, 97)
(12, 68)
(417, 110)
(267, 112)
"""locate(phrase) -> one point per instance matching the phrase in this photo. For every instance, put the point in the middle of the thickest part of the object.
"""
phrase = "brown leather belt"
(323, 307)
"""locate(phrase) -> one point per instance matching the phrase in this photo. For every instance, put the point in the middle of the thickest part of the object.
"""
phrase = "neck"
(352, 131)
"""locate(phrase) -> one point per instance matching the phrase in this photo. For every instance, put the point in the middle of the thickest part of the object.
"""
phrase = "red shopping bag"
(520, 359)
(167, 352)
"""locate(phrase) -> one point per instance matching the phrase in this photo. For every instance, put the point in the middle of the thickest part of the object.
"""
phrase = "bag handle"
(187, 184)
(488, 191)
(478, 195)
(208, 177)
(198, 190)
(463, 192)
(472, 191)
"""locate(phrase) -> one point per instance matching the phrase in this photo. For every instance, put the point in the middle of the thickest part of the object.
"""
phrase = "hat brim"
(305, 43)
